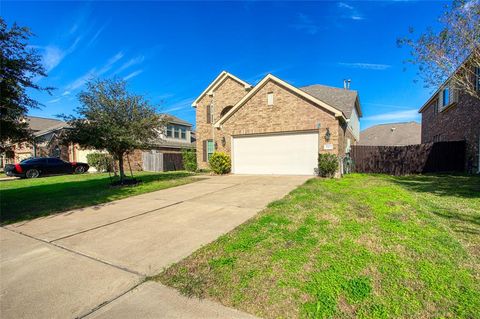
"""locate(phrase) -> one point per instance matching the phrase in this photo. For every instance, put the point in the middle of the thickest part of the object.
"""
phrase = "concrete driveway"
(93, 261)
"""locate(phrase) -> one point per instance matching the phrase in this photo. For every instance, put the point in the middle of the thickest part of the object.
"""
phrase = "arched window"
(225, 110)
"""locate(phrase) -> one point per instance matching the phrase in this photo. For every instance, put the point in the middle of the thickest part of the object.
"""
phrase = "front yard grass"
(31, 198)
(365, 246)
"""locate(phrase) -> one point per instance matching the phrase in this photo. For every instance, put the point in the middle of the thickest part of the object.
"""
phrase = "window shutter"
(209, 114)
(204, 150)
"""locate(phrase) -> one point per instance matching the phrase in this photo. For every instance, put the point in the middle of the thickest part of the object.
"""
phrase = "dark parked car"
(40, 166)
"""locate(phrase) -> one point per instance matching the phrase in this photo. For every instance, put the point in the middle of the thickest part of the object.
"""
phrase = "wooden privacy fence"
(410, 159)
(155, 161)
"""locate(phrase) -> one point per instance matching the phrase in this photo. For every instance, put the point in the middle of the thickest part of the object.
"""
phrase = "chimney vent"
(346, 84)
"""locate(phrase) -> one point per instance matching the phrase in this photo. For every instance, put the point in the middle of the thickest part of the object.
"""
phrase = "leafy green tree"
(452, 51)
(20, 68)
(113, 119)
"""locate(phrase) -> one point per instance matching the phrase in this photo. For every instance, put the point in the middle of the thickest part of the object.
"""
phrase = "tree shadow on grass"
(31, 201)
(466, 186)
(460, 186)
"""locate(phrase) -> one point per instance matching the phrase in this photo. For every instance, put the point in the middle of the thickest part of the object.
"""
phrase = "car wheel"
(79, 170)
(32, 173)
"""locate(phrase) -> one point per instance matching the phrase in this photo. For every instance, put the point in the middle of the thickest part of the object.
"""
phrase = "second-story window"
(177, 131)
(445, 96)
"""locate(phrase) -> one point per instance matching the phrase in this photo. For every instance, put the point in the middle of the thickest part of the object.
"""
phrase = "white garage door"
(285, 154)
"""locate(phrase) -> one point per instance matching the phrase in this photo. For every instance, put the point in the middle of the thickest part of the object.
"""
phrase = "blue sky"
(170, 51)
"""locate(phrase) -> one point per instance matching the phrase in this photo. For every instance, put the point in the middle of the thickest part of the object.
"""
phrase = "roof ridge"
(394, 123)
(328, 86)
(45, 118)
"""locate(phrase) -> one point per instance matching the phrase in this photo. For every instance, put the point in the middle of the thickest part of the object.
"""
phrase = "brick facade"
(290, 113)
(461, 121)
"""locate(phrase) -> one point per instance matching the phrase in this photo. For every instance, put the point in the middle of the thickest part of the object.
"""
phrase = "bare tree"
(451, 53)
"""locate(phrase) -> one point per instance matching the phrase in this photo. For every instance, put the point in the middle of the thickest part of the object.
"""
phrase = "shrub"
(189, 158)
(327, 165)
(220, 163)
(101, 161)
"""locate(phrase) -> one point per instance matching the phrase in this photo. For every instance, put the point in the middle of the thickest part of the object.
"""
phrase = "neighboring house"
(172, 139)
(392, 134)
(452, 115)
(177, 135)
(274, 127)
(46, 132)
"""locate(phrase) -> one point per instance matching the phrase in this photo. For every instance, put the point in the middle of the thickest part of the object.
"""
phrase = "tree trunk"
(120, 166)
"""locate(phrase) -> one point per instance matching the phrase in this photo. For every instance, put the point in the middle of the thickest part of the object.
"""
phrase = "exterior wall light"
(327, 135)
(224, 141)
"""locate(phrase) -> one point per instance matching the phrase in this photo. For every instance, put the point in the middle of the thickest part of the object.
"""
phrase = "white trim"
(290, 87)
(215, 83)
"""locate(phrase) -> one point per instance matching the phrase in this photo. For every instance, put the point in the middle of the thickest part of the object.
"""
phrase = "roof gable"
(216, 83)
(287, 86)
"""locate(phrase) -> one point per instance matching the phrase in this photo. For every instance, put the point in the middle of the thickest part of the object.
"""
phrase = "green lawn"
(365, 246)
(31, 198)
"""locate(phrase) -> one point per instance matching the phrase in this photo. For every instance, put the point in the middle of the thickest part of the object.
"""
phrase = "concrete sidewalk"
(90, 259)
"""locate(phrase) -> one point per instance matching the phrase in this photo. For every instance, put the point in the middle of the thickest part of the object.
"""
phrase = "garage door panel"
(284, 154)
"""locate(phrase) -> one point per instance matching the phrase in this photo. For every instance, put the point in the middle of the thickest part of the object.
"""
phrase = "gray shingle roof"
(392, 134)
(176, 120)
(341, 99)
(42, 124)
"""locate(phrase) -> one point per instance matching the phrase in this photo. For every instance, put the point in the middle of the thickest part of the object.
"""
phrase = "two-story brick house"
(453, 115)
(274, 127)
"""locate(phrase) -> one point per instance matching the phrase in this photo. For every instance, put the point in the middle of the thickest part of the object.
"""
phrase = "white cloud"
(94, 73)
(366, 66)
(66, 93)
(96, 35)
(114, 59)
(134, 61)
(132, 75)
(407, 115)
(354, 17)
(180, 105)
(350, 11)
(53, 55)
(305, 23)
(344, 5)
(54, 100)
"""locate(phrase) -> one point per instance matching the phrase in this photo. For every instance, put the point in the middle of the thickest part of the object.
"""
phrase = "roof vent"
(346, 84)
